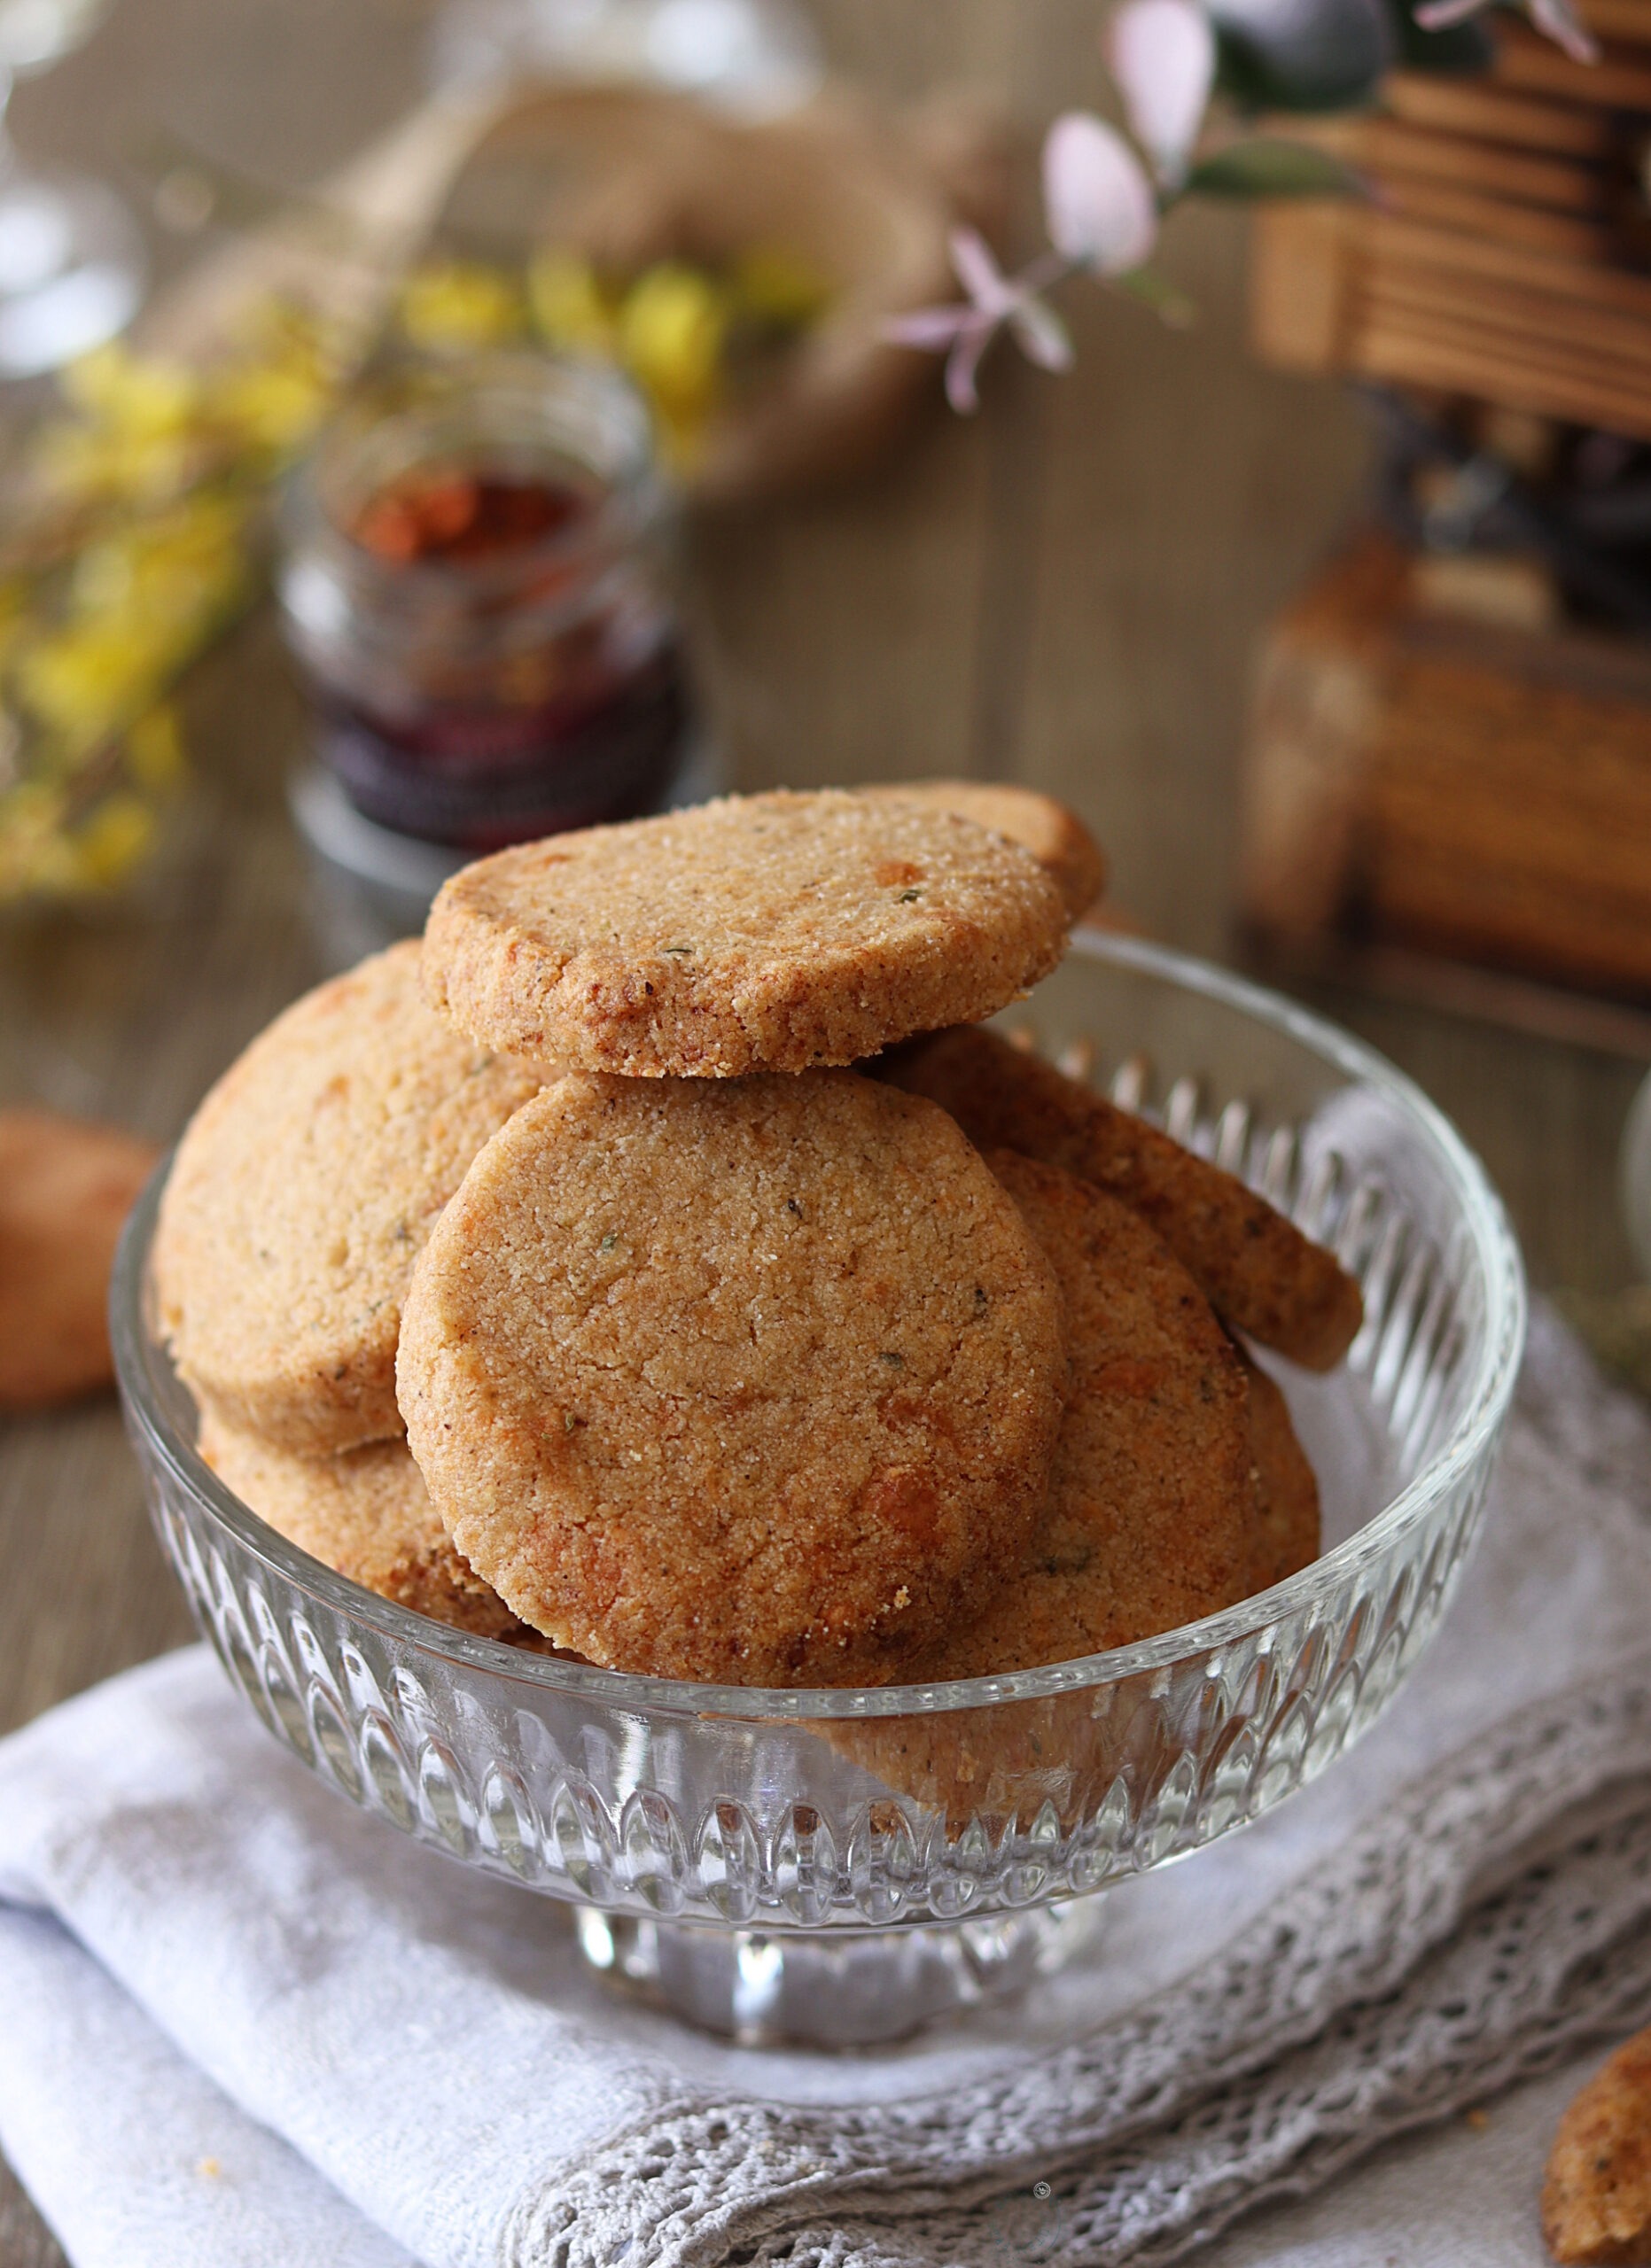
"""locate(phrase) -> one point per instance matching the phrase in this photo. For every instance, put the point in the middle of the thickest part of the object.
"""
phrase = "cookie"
(1596, 2197)
(758, 933)
(301, 1195)
(1152, 1519)
(1153, 1505)
(366, 1514)
(66, 1187)
(1055, 836)
(1288, 1535)
(1257, 1269)
(746, 1381)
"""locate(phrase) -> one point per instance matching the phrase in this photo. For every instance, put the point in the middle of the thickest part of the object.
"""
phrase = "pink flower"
(1162, 57)
(1098, 203)
(1558, 19)
(963, 333)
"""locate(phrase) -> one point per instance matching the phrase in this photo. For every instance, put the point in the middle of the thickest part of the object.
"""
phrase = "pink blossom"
(963, 333)
(1162, 57)
(1097, 201)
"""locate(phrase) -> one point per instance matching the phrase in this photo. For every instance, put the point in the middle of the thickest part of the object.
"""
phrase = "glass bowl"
(839, 1866)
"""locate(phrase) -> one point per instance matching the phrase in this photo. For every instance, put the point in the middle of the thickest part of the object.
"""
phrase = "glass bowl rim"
(147, 1381)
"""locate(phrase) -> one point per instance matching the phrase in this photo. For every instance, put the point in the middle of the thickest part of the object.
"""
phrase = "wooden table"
(1066, 591)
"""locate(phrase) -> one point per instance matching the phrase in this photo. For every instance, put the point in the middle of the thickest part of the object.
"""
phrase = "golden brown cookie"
(1153, 1508)
(1288, 1535)
(758, 933)
(747, 1381)
(1596, 2198)
(1153, 1518)
(1055, 836)
(366, 1514)
(301, 1195)
(1257, 1269)
(66, 1187)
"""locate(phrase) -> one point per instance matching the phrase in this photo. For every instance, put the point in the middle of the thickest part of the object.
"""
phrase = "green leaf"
(1155, 292)
(1260, 167)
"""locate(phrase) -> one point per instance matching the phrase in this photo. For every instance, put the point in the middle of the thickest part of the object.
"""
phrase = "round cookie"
(1055, 836)
(66, 1187)
(1256, 1269)
(1151, 1521)
(366, 1514)
(301, 1195)
(745, 1381)
(757, 932)
(1153, 1509)
(1289, 1536)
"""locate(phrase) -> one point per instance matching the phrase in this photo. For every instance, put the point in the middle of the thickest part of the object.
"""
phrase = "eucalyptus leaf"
(1261, 167)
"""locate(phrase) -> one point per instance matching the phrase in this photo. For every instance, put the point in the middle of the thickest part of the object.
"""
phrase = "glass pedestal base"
(836, 1988)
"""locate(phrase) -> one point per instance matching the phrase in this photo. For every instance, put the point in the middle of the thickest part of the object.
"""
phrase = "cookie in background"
(66, 1187)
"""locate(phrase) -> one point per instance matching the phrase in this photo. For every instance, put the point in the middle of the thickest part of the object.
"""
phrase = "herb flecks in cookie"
(366, 1514)
(1257, 1270)
(300, 1194)
(799, 1445)
(759, 933)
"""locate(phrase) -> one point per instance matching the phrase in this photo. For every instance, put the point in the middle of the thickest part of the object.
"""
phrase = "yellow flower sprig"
(153, 477)
(679, 331)
(147, 545)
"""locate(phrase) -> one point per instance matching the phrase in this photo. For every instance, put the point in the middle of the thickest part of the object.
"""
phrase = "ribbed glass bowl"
(839, 1865)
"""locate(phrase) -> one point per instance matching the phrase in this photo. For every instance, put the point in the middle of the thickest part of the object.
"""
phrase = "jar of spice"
(475, 584)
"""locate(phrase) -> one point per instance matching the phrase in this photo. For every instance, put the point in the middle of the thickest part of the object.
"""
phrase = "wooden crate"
(1500, 257)
(1416, 782)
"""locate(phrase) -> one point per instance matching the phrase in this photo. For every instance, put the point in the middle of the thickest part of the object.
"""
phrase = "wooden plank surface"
(1067, 591)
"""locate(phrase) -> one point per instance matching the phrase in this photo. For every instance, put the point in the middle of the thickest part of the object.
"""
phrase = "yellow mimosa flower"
(271, 406)
(83, 683)
(120, 465)
(138, 393)
(673, 325)
(108, 844)
(154, 750)
(776, 288)
(452, 307)
(567, 304)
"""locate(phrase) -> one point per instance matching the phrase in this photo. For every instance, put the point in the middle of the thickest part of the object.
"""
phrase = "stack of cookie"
(559, 1279)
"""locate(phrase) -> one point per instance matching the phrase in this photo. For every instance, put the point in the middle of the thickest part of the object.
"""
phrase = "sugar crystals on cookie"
(758, 933)
(301, 1194)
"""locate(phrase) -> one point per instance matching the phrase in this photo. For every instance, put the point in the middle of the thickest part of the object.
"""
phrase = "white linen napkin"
(247, 2024)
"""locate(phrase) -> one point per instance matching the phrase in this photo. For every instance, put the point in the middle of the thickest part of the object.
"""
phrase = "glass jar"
(475, 583)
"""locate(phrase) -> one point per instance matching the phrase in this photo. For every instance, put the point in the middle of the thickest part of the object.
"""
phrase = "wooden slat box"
(1505, 255)
(1419, 781)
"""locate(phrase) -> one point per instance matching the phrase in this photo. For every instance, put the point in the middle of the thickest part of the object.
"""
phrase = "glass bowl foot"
(837, 1988)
